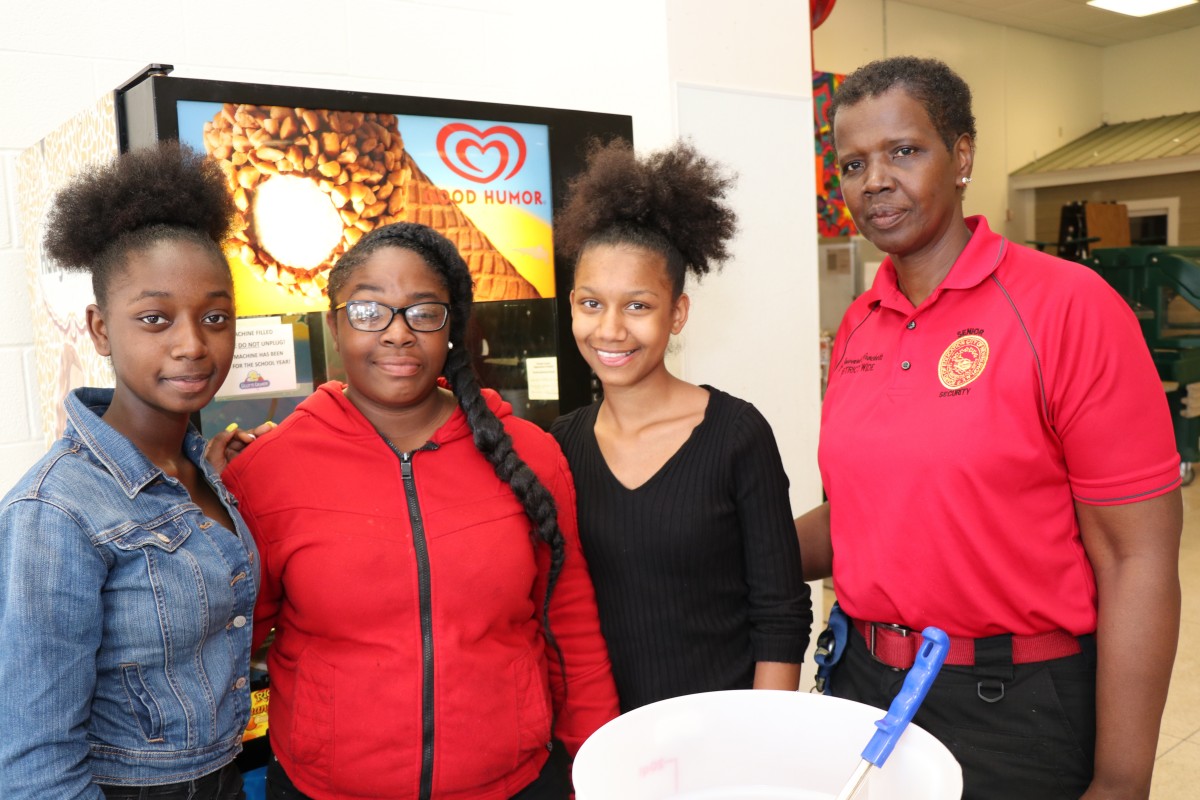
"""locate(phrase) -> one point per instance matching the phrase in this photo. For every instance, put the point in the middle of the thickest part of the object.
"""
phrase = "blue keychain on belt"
(830, 646)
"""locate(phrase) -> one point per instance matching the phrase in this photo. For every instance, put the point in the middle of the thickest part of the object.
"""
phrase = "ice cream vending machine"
(313, 170)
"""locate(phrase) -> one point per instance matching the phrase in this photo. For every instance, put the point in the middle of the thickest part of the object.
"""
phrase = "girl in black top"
(682, 497)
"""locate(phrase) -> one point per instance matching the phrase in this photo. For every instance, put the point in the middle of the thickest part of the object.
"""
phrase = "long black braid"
(488, 432)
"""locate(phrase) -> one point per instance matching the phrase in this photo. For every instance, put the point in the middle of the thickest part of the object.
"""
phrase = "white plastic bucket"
(755, 745)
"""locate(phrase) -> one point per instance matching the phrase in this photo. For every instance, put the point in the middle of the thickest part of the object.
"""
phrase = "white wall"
(1152, 77)
(1032, 93)
(20, 432)
(743, 91)
(744, 95)
(56, 58)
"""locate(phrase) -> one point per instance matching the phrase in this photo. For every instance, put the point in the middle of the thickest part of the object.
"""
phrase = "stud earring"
(450, 345)
(966, 179)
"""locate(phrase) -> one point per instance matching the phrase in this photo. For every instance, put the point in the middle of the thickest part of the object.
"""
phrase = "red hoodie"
(408, 658)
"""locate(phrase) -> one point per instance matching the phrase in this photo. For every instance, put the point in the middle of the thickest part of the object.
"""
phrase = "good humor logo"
(466, 151)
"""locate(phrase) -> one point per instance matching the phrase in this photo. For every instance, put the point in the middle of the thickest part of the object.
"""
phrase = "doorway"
(1154, 221)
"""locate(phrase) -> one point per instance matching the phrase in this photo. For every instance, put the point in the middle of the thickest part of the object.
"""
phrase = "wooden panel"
(1110, 222)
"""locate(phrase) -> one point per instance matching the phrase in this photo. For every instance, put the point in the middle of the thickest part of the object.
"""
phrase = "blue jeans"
(224, 784)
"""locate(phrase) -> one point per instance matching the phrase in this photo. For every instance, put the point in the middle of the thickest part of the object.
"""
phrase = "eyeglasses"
(369, 316)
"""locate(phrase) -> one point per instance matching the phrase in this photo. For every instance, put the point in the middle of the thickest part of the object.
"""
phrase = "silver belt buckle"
(900, 629)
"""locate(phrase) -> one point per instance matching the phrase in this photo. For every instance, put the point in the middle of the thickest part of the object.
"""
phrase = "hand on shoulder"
(224, 447)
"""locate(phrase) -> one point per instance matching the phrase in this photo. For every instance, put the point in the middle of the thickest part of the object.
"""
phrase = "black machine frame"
(147, 111)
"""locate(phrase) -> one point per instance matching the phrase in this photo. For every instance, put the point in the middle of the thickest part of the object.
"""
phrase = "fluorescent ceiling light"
(1141, 8)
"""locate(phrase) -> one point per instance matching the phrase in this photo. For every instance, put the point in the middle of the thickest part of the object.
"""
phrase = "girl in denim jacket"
(127, 577)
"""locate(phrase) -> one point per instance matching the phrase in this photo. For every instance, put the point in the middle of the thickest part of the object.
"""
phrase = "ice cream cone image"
(309, 183)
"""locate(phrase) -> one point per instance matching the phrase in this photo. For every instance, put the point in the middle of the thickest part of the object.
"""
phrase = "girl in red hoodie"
(435, 625)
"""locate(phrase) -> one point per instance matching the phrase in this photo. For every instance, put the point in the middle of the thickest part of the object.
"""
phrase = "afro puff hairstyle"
(944, 95)
(670, 202)
(164, 192)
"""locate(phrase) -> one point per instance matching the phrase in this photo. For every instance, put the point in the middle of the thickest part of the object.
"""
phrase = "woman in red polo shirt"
(998, 457)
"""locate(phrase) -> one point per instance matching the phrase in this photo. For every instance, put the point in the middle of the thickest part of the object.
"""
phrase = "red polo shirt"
(956, 438)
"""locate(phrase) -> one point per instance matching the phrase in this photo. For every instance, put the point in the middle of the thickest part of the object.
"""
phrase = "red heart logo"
(456, 140)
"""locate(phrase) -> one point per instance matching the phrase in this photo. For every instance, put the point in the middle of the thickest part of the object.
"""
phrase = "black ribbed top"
(697, 571)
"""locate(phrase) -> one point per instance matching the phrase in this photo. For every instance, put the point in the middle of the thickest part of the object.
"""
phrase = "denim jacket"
(124, 619)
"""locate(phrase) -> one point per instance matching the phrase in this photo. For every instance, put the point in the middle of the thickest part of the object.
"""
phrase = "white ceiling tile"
(1067, 19)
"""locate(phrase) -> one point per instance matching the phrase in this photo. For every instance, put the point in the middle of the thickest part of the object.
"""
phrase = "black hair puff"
(168, 185)
(673, 195)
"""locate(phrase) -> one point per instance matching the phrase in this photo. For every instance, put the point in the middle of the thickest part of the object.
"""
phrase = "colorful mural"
(833, 218)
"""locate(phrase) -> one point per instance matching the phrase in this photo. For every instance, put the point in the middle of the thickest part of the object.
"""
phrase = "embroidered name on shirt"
(864, 363)
(963, 361)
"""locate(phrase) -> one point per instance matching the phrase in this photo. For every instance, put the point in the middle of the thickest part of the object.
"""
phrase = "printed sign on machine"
(264, 360)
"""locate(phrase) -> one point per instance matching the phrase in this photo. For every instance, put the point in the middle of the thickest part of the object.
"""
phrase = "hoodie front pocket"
(142, 703)
(311, 739)
(533, 702)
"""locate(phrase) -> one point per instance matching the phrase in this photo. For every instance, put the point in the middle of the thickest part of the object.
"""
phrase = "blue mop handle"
(931, 655)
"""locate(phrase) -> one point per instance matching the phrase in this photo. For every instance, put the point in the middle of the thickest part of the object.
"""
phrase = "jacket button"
(162, 537)
(912, 324)
(239, 621)
(240, 683)
(205, 525)
(905, 365)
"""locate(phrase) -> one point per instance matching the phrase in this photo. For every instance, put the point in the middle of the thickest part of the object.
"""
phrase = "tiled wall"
(20, 436)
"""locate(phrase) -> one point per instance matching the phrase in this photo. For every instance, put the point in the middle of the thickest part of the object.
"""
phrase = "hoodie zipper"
(420, 546)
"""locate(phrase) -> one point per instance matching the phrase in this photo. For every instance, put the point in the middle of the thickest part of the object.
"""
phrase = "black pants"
(1035, 740)
(553, 783)
(224, 784)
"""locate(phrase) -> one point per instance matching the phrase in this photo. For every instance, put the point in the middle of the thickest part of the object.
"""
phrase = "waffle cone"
(359, 160)
(494, 275)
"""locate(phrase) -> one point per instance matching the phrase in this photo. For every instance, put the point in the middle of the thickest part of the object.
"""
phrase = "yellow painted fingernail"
(231, 426)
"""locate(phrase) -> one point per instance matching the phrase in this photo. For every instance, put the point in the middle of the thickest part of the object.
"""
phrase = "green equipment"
(1162, 285)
